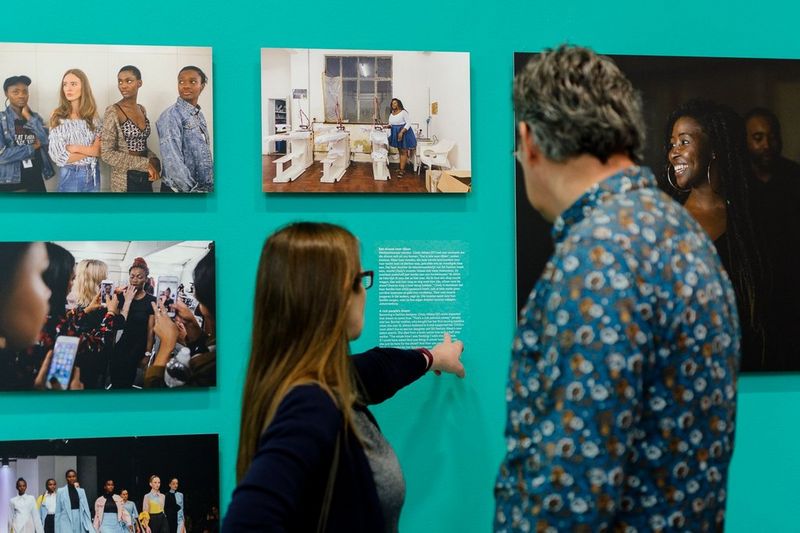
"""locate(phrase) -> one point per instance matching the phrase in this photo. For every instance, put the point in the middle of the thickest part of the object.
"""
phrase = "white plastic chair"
(436, 155)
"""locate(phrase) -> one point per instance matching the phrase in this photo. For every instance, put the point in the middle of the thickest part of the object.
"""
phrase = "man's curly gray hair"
(578, 102)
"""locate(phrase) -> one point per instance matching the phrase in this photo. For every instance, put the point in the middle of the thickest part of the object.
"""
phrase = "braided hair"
(727, 138)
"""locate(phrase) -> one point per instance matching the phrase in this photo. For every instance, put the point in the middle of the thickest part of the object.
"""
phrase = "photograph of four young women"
(98, 136)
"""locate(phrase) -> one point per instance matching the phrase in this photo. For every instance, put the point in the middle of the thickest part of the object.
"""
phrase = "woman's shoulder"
(308, 395)
(307, 421)
(306, 408)
(57, 124)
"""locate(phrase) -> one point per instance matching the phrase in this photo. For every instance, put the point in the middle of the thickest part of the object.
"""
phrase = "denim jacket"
(12, 155)
(186, 160)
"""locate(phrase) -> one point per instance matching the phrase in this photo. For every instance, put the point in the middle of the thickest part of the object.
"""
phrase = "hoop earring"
(674, 184)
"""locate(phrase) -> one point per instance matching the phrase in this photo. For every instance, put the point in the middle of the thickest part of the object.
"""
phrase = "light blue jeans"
(75, 178)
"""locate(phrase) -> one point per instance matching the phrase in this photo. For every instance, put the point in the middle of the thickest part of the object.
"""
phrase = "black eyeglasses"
(364, 279)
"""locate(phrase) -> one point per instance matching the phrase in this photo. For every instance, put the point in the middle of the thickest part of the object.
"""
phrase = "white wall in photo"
(443, 77)
(164, 258)
(46, 64)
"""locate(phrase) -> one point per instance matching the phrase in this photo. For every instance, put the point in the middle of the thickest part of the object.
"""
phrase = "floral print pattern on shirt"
(621, 392)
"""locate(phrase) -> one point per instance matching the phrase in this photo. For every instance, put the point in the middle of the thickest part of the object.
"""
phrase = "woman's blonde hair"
(88, 275)
(305, 283)
(87, 109)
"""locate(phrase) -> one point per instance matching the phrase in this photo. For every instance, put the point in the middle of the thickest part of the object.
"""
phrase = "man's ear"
(528, 149)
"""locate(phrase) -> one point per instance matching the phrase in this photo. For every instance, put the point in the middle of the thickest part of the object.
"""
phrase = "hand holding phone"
(62, 363)
(167, 293)
(106, 291)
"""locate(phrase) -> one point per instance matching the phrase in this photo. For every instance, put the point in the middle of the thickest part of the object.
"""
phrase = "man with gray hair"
(621, 392)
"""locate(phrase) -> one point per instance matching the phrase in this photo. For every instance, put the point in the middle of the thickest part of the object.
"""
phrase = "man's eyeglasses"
(364, 279)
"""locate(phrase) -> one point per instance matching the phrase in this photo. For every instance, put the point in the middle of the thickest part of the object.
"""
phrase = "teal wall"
(448, 433)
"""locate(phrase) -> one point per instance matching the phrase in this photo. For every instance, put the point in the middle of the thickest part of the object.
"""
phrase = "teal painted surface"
(448, 433)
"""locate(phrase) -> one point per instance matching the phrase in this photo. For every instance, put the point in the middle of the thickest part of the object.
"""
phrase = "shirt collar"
(187, 108)
(630, 179)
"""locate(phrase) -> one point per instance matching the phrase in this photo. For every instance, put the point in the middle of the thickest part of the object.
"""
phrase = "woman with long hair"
(58, 277)
(402, 135)
(75, 135)
(27, 363)
(126, 129)
(136, 342)
(86, 319)
(708, 172)
(311, 455)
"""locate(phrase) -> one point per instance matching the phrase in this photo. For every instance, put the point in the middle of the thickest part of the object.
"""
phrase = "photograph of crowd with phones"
(115, 315)
(164, 484)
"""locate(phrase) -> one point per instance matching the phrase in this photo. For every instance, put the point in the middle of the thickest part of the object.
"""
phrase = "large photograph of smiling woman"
(107, 105)
(723, 137)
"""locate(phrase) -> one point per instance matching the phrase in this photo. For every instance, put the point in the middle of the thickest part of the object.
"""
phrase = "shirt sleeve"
(92, 338)
(575, 400)
(170, 139)
(294, 454)
(381, 372)
(57, 147)
(37, 521)
(407, 118)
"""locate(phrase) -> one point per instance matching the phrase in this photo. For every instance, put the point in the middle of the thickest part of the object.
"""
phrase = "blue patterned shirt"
(622, 387)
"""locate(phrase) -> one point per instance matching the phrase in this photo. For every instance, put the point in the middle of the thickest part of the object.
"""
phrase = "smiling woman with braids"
(708, 172)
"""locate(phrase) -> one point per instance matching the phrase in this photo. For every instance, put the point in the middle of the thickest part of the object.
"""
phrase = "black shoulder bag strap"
(326, 500)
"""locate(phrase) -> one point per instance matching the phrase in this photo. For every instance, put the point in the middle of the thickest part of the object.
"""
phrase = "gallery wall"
(447, 432)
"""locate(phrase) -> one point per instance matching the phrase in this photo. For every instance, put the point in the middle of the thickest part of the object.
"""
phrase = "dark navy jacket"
(284, 487)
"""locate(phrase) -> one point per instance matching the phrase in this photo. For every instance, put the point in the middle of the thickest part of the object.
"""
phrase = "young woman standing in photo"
(130, 507)
(75, 135)
(24, 164)
(24, 518)
(47, 506)
(137, 336)
(184, 138)
(153, 505)
(126, 129)
(402, 135)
